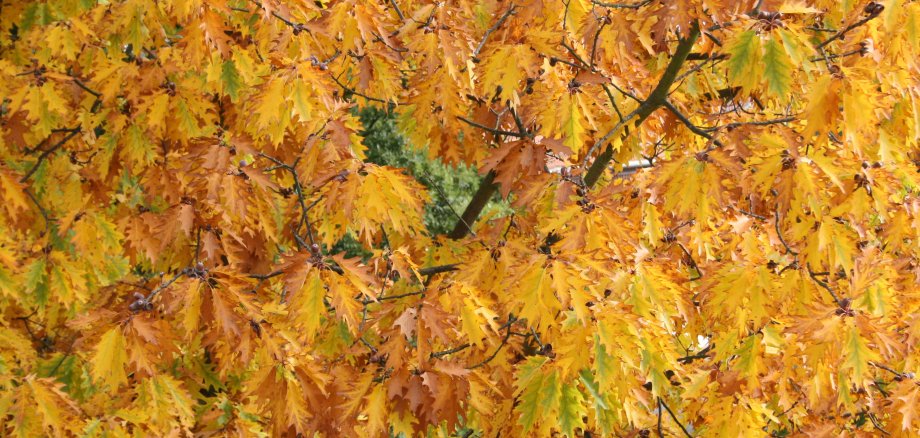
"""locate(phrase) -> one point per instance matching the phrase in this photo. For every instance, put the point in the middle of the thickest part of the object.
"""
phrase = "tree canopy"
(707, 222)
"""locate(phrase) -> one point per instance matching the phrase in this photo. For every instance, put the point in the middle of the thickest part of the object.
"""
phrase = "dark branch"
(690, 125)
(396, 297)
(80, 84)
(840, 34)
(41, 158)
(621, 5)
(443, 353)
(734, 125)
(431, 270)
(655, 100)
(350, 90)
(779, 233)
(670, 412)
(826, 287)
(398, 11)
(491, 130)
(508, 331)
(487, 188)
(494, 27)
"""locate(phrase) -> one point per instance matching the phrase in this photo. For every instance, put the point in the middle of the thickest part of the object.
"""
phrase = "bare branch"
(41, 158)
(443, 353)
(80, 84)
(684, 429)
(840, 34)
(350, 90)
(648, 106)
(162, 286)
(693, 128)
(779, 232)
(507, 327)
(826, 287)
(621, 5)
(487, 188)
(491, 130)
(494, 27)
(431, 270)
(607, 136)
(734, 125)
(398, 11)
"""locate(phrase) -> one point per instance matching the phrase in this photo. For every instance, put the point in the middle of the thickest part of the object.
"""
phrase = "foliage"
(714, 230)
(451, 187)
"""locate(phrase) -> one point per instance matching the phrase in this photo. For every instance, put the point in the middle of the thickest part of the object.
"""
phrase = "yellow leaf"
(108, 362)
(308, 304)
(377, 411)
(858, 354)
(573, 130)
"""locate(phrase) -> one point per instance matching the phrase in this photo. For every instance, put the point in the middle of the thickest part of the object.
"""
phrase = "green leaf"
(529, 383)
(777, 69)
(858, 353)
(571, 410)
(37, 281)
(572, 128)
(231, 78)
(108, 364)
(744, 58)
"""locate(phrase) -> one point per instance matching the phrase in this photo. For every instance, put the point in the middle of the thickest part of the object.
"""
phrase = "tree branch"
(431, 270)
(840, 34)
(443, 353)
(41, 158)
(655, 100)
(494, 27)
(486, 189)
(826, 287)
(507, 327)
(684, 429)
(491, 130)
(398, 11)
(621, 5)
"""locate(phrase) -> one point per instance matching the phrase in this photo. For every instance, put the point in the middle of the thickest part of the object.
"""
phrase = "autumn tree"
(710, 224)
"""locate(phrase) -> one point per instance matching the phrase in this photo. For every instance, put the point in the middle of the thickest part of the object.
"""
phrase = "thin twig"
(779, 232)
(607, 136)
(875, 423)
(684, 429)
(597, 34)
(350, 90)
(443, 353)
(41, 209)
(703, 354)
(491, 130)
(734, 125)
(826, 287)
(41, 158)
(494, 27)
(883, 367)
(304, 209)
(844, 31)
(396, 297)
(398, 11)
(692, 262)
(621, 5)
(160, 288)
(444, 198)
(837, 55)
(507, 327)
(80, 84)
(690, 125)
(431, 270)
